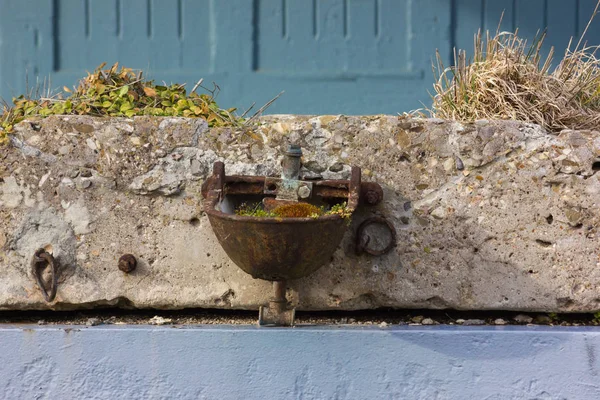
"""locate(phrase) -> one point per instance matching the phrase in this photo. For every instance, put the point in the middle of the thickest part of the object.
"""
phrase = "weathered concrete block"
(491, 215)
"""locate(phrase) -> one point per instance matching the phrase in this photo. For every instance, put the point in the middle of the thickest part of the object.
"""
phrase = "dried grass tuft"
(507, 78)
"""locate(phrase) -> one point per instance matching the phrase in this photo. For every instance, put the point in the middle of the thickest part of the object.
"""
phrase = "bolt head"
(127, 263)
(303, 192)
(372, 197)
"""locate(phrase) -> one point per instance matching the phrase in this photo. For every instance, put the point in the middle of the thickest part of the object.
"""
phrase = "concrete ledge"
(198, 362)
(495, 215)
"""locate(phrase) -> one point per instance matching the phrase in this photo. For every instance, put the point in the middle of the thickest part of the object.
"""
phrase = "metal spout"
(277, 313)
(291, 162)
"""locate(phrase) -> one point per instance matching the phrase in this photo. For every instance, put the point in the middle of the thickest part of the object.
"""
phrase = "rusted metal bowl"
(276, 249)
(279, 249)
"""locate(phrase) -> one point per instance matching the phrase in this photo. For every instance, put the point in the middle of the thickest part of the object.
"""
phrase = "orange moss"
(298, 210)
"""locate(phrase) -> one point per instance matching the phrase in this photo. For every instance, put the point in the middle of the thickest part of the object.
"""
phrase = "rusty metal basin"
(278, 249)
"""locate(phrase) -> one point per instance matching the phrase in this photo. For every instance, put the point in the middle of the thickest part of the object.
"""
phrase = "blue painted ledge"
(223, 362)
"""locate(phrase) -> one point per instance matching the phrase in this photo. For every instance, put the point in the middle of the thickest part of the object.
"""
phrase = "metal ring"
(362, 240)
(42, 259)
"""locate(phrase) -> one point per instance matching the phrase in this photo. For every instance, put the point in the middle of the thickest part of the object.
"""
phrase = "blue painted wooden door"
(329, 56)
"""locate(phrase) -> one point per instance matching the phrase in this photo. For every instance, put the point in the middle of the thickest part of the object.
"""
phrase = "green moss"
(118, 93)
(298, 210)
(255, 210)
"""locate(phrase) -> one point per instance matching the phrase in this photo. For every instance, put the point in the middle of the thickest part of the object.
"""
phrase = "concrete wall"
(303, 363)
(490, 215)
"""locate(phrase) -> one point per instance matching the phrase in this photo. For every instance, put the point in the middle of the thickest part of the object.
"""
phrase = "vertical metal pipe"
(280, 289)
(291, 162)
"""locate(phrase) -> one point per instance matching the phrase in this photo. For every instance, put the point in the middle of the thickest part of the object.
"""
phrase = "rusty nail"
(127, 263)
(372, 197)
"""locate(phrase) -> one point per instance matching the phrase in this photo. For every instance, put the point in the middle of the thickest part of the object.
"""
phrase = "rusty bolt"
(127, 263)
(372, 197)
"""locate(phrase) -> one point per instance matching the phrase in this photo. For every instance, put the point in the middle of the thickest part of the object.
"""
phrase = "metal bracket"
(288, 189)
(362, 239)
(269, 316)
(42, 259)
(277, 312)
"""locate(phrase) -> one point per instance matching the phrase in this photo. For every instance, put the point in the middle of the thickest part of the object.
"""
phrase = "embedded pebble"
(542, 319)
(158, 320)
(523, 319)
(93, 322)
(474, 322)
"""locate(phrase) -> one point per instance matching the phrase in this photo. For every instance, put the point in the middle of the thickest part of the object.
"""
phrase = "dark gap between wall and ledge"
(381, 317)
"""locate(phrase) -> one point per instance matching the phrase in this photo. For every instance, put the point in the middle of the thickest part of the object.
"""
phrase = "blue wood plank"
(231, 36)
(269, 25)
(362, 36)
(562, 26)
(395, 28)
(332, 19)
(586, 9)
(530, 17)
(26, 45)
(134, 47)
(431, 31)
(467, 21)
(498, 15)
(167, 34)
(198, 34)
(105, 28)
(73, 34)
(330, 56)
(294, 40)
(531, 20)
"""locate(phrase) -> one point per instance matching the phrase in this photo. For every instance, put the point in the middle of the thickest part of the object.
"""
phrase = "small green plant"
(297, 210)
(119, 93)
(255, 210)
(597, 317)
(341, 210)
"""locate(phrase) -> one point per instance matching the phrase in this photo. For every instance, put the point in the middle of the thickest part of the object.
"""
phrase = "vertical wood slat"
(562, 25)
(586, 9)
(165, 41)
(466, 22)
(231, 36)
(531, 19)
(493, 10)
(197, 35)
(395, 28)
(433, 29)
(362, 35)
(72, 23)
(332, 19)
(104, 33)
(26, 45)
(134, 47)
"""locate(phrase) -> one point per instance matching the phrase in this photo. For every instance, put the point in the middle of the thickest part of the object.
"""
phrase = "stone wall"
(491, 215)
